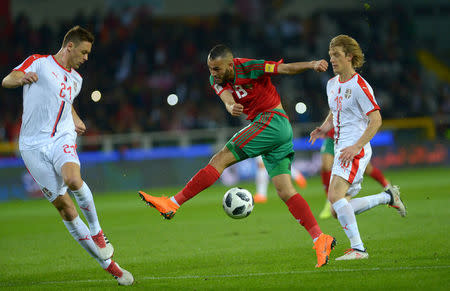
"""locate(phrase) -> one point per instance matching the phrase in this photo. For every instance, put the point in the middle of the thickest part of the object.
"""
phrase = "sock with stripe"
(299, 208)
(362, 204)
(202, 180)
(86, 203)
(80, 232)
(346, 216)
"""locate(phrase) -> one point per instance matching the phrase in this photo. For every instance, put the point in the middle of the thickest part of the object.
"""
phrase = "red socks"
(378, 175)
(202, 180)
(326, 175)
(302, 213)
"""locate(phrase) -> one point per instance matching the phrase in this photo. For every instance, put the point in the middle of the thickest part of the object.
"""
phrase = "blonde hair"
(350, 46)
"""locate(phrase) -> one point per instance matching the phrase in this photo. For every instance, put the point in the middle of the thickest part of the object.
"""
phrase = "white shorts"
(45, 163)
(352, 172)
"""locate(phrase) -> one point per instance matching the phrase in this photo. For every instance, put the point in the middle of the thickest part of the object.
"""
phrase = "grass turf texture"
(202, 248)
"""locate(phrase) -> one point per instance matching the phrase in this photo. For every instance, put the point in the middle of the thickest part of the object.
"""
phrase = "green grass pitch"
(202, 248)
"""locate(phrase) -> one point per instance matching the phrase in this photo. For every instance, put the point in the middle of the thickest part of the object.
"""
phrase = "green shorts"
(268, 135)
(327, 146)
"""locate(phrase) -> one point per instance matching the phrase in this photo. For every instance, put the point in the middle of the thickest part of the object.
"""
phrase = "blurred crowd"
(139, 59)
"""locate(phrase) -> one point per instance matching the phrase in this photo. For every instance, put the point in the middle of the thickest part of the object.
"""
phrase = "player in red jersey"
(327, 155)
(245, 86)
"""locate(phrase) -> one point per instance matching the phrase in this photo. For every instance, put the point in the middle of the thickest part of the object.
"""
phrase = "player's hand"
(235, 109)
(29, 78)
(348, 153)
(80, 127)
(315, 134)
(320, 66)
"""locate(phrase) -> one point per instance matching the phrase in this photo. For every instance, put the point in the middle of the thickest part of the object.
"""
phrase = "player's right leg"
(300, 210)
(67, 165)
(204, 178)
(80, 232)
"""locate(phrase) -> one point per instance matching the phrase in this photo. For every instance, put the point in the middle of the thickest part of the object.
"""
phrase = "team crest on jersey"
(75, 86)
(65, 78)
(269, 68)
(348, 93)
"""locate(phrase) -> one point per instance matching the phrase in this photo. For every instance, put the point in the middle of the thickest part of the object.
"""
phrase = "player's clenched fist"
(29, 78)
(320, 66)
(236, 109)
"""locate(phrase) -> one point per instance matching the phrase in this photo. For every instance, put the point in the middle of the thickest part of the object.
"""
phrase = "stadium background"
(146, 50)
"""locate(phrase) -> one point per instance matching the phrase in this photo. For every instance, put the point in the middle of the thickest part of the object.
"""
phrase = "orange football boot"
(164, 205)
(301, 180)
(259, 198)
(323, 246)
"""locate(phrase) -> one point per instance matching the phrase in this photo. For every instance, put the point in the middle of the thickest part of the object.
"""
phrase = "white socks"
(86, 203)
(262, 181)
(81, 234)
(365, 203)
(346, 217)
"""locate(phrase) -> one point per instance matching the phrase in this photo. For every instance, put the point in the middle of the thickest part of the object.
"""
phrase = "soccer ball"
(238, 203)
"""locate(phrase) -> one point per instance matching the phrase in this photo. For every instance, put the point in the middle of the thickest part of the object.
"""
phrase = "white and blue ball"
(238, 203)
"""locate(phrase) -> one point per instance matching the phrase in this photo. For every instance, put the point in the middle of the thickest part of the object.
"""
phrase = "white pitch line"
(317, 271)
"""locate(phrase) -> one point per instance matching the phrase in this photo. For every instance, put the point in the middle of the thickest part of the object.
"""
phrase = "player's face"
(79, 53)
(221, 69)
(339, 61)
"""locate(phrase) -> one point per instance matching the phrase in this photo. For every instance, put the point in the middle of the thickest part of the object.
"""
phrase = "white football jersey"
(350, 102)
(47, 103)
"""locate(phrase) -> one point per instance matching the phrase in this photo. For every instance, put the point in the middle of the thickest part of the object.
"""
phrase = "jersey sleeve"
(217, 88)
(254, 69)
(366, 97)
(31, 64)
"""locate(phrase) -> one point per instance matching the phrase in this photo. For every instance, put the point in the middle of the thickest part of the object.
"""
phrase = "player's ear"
(70, 46)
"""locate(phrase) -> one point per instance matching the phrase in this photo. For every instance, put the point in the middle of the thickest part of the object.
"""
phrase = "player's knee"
(73, 182)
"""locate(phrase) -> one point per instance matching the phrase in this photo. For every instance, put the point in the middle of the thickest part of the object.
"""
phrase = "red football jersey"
(252, 86)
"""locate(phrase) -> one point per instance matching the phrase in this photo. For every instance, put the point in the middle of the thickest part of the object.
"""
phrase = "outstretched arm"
(299, 67)
(80, 127)
(18, 78)
(321, 131)
(232, 107)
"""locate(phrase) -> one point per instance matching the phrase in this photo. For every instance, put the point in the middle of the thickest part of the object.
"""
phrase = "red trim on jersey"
(375, 109)
(29, 61)
(247, 130)
(339, 79)
(365, 88)
(58, 118)
(355, 166)
(338, 132)
(60, 64)
(261, 129)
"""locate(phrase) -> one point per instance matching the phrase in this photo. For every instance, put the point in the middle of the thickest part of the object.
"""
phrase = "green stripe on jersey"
(250, 69)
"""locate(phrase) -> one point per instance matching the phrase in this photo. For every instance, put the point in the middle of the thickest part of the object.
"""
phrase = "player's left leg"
(346, 216)
(70, 172)
(80, 232)
(202, 180)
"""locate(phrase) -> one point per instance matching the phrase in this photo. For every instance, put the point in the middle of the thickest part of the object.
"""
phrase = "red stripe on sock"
(326, 175)
(378, 175)
(202, 180)
(302, 213)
